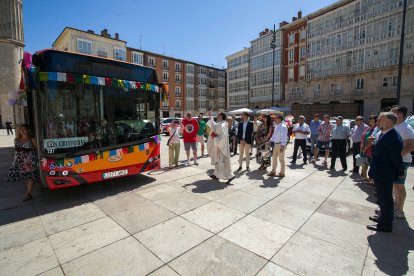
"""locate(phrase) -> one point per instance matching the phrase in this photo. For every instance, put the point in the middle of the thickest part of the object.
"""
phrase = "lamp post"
(273, 46)
(401, 57)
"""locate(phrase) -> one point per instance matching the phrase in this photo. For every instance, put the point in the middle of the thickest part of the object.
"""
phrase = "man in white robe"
(218, 148)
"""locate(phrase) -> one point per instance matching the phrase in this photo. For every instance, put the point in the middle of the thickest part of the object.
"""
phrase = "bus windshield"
(77, 117)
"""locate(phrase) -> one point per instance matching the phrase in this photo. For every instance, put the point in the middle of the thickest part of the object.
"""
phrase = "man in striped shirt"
(324, 139)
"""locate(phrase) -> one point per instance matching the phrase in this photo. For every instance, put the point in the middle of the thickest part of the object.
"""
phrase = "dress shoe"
(239, 169)
(271, 174)
(379, 228)
(230, 180)
(213, 176)
(375, 219)
(293, 162)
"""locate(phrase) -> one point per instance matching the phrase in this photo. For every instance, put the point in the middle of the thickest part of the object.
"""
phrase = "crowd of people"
(381, 149)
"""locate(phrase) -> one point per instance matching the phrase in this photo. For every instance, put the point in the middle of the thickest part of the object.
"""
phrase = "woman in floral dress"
(24, 163)
(263, 135)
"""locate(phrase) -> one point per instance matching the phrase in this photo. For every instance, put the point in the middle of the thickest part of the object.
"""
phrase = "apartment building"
(238, 79)
(261, 74)
(90, 43)
(192, 87)
(352, 58)
(294, 57)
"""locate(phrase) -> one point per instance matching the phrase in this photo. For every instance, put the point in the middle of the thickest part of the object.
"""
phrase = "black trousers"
(385, 200)
(302, 144)
(9, 130)
(339, 150)
(356, 149)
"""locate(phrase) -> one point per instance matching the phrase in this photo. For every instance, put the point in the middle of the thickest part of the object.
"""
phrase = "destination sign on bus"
(63, 143)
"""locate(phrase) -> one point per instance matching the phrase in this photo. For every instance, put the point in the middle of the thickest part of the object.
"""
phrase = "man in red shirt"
(190, 128)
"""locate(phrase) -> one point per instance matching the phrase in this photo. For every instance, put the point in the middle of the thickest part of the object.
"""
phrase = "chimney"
(117, 36)
(90, 31)
(283, 23)
(104, 32)
(294, 19)
(265, 32)
(299, 14)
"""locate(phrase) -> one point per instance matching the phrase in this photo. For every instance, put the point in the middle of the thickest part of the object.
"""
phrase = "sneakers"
(399, 214)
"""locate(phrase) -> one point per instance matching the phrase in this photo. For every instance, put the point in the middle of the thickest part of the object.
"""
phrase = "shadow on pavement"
(361, 184)
(206, 186)
(12, 209)
(271, 182)
(391, 250)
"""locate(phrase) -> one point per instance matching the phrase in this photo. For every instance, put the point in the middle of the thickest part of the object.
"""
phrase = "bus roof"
(75, 63)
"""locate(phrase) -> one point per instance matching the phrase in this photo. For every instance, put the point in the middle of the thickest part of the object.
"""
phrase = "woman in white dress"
(218, 148)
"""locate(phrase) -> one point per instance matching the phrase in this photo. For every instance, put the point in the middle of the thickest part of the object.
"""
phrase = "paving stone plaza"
(180, 222)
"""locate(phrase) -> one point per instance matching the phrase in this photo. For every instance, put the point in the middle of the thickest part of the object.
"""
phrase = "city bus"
(93, 118)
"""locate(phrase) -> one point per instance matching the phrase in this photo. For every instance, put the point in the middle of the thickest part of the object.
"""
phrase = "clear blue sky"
(200, 31)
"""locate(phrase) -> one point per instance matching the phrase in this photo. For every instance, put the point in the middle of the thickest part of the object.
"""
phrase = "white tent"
(240, 111)
(274, 110)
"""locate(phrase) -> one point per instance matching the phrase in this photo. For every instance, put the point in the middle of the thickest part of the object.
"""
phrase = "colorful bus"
(94, 118)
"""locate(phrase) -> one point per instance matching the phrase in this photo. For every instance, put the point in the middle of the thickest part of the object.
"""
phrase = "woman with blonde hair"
(24, 163)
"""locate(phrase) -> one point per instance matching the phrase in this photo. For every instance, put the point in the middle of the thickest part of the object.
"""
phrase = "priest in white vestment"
(218, 148)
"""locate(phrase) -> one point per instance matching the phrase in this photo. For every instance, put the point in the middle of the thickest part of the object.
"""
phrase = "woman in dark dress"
(24, 163)
(232, 135)
(264, 133)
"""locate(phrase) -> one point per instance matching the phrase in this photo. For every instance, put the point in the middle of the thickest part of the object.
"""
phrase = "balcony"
(102, 54)
(335, 93)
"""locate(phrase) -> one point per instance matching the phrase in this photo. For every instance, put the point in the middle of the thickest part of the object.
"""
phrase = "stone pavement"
(180, 222)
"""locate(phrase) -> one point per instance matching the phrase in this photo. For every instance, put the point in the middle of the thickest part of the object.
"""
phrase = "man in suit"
(386, 168)
(244, 137)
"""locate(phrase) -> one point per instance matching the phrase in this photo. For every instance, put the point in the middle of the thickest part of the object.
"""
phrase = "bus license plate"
(115, 174)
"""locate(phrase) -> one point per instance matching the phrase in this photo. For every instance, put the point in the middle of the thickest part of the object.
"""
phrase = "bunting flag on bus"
(113, 82)
(69, 162)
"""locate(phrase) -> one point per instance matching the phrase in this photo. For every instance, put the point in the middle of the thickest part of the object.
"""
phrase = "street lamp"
(273, 46)
(400, 61)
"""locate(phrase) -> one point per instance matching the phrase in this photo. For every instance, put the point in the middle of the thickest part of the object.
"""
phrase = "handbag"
(168, 142)
(361, 160)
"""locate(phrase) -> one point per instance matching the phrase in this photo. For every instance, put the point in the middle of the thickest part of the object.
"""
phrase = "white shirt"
(280, 134)
(244, 129)
(304, 127)
(176, 138)
(406, 133)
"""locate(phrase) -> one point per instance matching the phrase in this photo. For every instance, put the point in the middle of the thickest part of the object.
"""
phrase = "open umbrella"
(240, 111)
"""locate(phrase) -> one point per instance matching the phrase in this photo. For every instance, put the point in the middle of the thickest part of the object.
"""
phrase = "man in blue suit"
(245, 138)
(386, 167)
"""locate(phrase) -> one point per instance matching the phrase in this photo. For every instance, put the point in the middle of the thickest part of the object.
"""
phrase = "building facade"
(261, 70)
(352, 57)
(294, 58)
(192, 87)
(11, 52)
(238, 79)
(87, 42)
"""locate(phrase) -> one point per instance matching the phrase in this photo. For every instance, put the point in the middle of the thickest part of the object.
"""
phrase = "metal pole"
(400, 61)
(273, 46)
